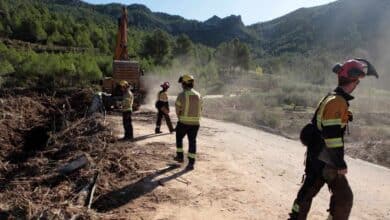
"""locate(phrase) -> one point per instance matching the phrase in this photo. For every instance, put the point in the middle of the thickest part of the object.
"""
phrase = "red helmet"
(165, 85)
(354, 69)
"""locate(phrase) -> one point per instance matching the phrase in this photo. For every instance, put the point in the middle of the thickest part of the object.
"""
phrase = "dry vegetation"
(283, 107)
(42, 134)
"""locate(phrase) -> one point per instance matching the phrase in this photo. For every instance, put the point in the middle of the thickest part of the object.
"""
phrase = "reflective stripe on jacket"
(188, 107)
(331, 119)
(127, 102)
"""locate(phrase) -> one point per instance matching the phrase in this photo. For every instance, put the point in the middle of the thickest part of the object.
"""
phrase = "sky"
(251, 11)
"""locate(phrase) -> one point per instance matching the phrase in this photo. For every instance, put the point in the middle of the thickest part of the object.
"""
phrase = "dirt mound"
(52, 158)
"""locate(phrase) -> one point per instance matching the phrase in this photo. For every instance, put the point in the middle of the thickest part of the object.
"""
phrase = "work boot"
(157, 131)
(191, 162)
(190, 166)
(127, 138)
(179, 159)
(293, 216)
(173, 130)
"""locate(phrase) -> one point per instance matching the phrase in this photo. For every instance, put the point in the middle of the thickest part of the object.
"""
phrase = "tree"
(31, 30)
(55, 38)
(157, 46)
(82, 39)
(233, 54)
(51, 27)
(6, 67)
(5, 30)
(242, 55)
(224, 55)
(69, 41)
(88, 69)
(183, 46)
(97, 39)
(2, 29)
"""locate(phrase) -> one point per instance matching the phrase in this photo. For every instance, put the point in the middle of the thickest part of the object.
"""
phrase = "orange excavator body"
(121, 37)
(124, 68)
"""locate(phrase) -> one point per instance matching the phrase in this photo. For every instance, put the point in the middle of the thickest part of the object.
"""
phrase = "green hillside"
(71, 43)
(302, 44)
(341, 25)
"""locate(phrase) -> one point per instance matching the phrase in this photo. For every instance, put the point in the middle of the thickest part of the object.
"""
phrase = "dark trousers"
(127, 125)
(341, 200)
(160, 115)
(191, 131)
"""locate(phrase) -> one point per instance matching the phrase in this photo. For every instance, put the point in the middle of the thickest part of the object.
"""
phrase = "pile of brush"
(54, 162)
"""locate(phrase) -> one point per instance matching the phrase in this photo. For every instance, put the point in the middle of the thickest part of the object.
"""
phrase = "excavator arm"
(121, 39)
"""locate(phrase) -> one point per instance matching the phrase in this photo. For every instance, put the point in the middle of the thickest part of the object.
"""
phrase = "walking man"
(162, 106)
(325, 145)
(188, 109)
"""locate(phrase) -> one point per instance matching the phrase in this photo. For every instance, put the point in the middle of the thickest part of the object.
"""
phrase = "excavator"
(123, 69)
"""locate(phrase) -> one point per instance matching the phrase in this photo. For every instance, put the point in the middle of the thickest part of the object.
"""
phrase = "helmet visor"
(369, 69)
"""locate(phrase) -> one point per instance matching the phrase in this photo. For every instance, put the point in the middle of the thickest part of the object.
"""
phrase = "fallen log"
(73, 165)
(86, 193)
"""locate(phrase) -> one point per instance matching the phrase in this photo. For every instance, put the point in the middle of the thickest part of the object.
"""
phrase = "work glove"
(350, 116)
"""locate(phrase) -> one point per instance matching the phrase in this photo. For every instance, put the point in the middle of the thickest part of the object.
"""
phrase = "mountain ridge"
(339, 25)
(343, 23)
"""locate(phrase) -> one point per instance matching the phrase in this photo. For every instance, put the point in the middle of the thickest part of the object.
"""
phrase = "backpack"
(310, 135)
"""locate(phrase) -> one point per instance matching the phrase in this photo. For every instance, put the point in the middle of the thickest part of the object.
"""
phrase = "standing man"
(127, 109)
(97, 104)
(325, 154)
(162, 106)
(188, 110)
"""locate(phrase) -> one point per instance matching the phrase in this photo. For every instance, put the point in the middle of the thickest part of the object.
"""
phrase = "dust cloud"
(373, 94)
(152, 81)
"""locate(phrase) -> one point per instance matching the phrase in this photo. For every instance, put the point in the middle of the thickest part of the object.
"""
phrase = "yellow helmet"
(186, 78)
(123, 83)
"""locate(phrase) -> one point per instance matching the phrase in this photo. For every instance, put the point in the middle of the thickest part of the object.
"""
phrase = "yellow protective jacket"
(162, 96)
(188, 107)
(127, 102)
(331, 119)
(162, 100)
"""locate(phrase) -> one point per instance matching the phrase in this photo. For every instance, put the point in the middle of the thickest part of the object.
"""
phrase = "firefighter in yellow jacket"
(188, 109)
(127, 109)
(162, 106)
(325, 156)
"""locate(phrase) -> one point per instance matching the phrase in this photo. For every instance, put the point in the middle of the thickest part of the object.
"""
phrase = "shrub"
(266, 118)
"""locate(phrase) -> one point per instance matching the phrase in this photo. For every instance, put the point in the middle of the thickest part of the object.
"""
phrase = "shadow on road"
(120, 197)
(140, 138)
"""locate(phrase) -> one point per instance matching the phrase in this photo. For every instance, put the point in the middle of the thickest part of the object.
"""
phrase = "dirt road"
(244, 173)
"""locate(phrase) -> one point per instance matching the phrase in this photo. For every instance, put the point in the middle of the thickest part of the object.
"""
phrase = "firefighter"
(188, 110)
(97, 104)
(127, 109)
(162, 106)
(325, 154)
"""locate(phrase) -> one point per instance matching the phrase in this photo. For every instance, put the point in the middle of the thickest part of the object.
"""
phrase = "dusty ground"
(241, 173)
